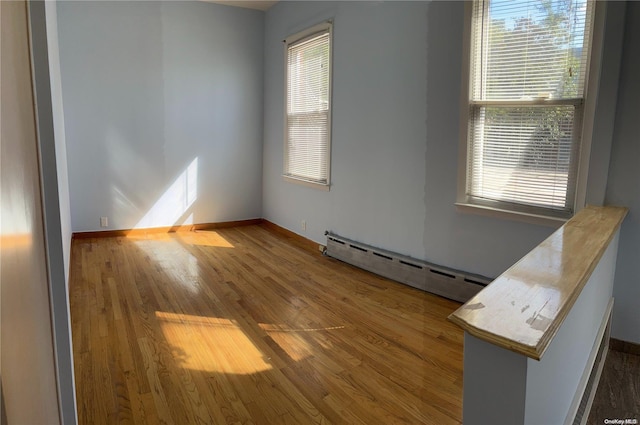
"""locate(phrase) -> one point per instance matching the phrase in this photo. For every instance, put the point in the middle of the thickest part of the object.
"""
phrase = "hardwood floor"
(239, 325)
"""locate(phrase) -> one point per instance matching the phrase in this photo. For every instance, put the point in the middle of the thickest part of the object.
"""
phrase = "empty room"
(299, 212)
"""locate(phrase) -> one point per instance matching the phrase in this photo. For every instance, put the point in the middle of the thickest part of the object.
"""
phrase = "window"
(308, 106)
(527, 83)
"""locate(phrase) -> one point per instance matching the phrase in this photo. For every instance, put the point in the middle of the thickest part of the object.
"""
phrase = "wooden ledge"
(523, 308)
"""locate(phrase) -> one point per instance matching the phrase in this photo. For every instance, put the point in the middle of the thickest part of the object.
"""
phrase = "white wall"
(29, 374)
(148, 88)
(623, 187)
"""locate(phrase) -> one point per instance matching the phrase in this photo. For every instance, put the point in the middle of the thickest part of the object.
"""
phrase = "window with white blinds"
(308, 104)
(528, 73)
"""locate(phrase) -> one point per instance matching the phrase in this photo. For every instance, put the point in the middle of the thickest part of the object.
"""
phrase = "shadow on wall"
(173, 207)
(443, 34)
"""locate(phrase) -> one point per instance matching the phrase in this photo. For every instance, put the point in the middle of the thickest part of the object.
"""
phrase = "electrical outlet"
(104, 222)
(303, 224)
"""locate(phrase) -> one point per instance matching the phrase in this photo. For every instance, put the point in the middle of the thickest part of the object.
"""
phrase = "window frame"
(325, 26)
(512, 211)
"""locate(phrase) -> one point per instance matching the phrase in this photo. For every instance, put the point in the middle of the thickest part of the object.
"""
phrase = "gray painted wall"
(623, 187)
(149, 88)
(395, 134)
(605, 112)
(59, 132)
(495, 384)
(53, 172)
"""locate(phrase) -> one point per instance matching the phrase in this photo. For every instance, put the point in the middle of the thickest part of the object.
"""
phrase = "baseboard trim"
(292, 237)
(169, 229)
(624, 346)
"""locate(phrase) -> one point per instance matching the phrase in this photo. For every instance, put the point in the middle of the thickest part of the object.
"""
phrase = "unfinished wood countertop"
(524, 307)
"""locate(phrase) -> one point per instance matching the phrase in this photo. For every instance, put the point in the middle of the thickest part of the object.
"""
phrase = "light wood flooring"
(244, 326)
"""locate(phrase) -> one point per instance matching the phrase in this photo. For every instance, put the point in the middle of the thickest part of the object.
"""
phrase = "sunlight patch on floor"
(211, 344)
(204, 238)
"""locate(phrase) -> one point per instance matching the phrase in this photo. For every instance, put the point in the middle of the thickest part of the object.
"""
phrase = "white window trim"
(323, 26)
(308, 183)
(533, 215)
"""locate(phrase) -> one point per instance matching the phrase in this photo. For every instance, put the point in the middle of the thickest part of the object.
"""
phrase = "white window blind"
(527, 86)
(307, 144)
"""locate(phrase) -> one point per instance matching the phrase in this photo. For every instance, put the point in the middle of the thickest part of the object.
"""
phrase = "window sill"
(318, 186)
(524, 217)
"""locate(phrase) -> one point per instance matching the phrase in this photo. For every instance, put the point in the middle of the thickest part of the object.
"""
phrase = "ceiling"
(249, 4)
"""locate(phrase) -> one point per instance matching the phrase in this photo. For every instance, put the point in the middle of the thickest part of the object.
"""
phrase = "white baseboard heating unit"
(419, 274)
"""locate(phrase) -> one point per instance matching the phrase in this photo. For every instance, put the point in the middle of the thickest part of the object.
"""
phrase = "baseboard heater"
(419, 274)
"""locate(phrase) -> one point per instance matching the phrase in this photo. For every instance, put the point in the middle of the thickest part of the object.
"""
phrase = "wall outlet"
(303, 224)
(104, 222)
